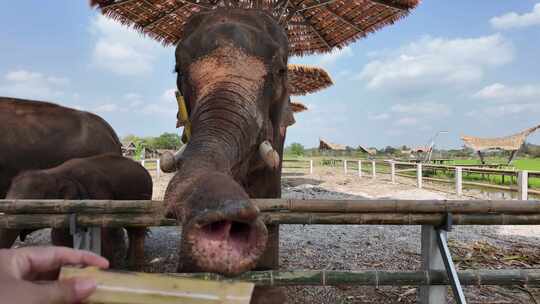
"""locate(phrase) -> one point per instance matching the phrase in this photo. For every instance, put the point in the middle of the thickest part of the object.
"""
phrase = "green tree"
(167, 141)
(296, 149)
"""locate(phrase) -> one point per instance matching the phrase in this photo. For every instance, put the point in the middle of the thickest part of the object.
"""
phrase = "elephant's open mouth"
(226, 246)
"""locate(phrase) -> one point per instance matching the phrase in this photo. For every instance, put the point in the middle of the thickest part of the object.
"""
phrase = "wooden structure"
(313, 26)
(430, 213)
(510, 143)
(326, 145)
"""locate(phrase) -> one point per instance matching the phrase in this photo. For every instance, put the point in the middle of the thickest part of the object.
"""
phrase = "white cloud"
(380, 116)
(435, 62)
(32, 85)
(406, 122)
(335, 55)
(22, 75)
(169, 95)
(122, 50)
(506, 110)
(515, 20)
(514, 94)
(107, 108)
(160, 109)
(424, 108)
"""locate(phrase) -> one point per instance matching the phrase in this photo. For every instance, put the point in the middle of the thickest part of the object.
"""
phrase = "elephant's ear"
(287, 117)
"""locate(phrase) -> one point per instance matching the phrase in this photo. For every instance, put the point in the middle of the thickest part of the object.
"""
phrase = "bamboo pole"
(381, 278)
(397, 219)
(36, 221)
(152, 208)
(142, 288)
(399, 206)
(78, 206)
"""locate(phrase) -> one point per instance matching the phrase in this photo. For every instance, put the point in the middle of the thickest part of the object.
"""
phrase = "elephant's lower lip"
(227, 247)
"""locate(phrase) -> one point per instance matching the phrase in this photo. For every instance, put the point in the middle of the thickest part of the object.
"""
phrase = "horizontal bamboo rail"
(380, 278)
(78, 206)
(292, 205)
(35, 221)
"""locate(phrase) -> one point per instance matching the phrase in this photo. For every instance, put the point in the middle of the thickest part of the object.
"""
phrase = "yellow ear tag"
(184, 118)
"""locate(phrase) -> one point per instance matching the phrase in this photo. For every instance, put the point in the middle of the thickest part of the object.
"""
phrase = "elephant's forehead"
(227, 64)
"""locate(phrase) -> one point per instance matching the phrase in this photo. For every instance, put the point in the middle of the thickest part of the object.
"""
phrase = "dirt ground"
(397, 248)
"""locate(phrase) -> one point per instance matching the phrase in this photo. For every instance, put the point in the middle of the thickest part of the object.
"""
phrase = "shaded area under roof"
(313, 26)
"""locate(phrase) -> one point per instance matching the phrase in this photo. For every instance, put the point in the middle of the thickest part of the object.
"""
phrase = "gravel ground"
(354, 247)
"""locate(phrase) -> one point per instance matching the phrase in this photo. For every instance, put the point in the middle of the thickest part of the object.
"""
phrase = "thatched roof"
(325, 145)
(313, 26)
(508, 143)
(367, 150)
(297, 107)
(305, 79)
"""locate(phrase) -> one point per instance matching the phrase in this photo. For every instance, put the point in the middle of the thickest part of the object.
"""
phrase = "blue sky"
(469, 67)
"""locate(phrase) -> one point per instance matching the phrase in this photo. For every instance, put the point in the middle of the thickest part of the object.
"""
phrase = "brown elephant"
(102, 177)
(40, 135)
(232, 71)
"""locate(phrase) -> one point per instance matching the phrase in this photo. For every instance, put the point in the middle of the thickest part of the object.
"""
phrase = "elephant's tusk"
(269, 155)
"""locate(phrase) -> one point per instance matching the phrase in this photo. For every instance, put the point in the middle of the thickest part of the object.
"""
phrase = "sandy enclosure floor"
(333, 247)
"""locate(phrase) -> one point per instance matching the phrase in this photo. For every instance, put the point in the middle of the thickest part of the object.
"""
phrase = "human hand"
(30, 275)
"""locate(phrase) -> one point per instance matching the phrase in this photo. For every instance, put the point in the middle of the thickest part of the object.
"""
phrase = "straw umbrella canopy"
(307, 79)
(298, 106)
(313, 26)
(509, 143)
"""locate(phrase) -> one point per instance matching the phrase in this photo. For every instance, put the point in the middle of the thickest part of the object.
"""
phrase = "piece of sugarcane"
(140, 288)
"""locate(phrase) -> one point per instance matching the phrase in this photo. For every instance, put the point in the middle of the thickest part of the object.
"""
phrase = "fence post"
(359, 168)
(523, 185)
(158, 167)
(311, 166)
(88, 239)
(373, 169)
(419, 176)
(459, 180)
(345, 166)
(393, 171)
(431, 260)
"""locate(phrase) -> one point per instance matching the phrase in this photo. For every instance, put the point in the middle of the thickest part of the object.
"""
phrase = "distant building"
(325, 145)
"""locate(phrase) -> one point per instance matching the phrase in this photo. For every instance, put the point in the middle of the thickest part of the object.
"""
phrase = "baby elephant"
(102, 177)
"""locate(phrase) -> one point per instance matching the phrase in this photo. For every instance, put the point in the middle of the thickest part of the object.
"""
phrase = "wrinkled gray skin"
(102, 177)
(232, 70)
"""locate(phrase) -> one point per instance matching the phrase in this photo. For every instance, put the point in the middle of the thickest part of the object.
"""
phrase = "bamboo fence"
(380, 278)
(55, 214)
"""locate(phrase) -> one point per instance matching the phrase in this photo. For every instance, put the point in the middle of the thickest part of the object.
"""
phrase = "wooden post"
(459, 180)
(88, 239)
(345, 166)
(523, 185)
(311, 166)
(431, 260)
(359, 168)
(270, 257)
(393, 171)
(158, 168)
(419, 175)
(373, 170)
